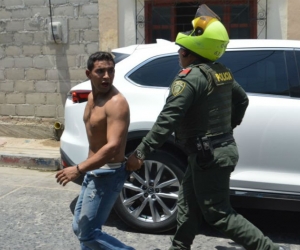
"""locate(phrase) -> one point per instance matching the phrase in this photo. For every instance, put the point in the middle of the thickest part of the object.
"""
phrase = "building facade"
(255, 19)
(40, 62)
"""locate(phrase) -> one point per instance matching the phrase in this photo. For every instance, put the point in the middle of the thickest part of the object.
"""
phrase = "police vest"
(220, 81)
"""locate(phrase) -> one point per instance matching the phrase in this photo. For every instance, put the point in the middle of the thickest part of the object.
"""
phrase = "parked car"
(268, 139)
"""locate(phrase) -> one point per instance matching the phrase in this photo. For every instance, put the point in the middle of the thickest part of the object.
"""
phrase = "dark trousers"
(204, 194)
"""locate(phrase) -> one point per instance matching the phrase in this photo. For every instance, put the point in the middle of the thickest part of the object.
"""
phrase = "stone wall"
(36, 73)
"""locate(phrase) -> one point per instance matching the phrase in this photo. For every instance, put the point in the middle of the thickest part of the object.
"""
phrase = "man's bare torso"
(95, 119)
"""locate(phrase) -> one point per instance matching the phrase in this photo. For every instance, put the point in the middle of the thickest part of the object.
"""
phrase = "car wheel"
(148, 199)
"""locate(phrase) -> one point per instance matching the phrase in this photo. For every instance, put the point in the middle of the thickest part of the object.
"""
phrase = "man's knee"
(216, 216)
(83, 230)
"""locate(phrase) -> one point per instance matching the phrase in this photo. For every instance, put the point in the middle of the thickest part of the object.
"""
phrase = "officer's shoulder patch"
(185, 72)
(177, 87)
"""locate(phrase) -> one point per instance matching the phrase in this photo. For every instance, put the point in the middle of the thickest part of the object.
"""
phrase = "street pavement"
(36, 212)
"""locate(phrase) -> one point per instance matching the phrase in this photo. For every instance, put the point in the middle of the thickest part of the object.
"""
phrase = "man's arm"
(240, 103)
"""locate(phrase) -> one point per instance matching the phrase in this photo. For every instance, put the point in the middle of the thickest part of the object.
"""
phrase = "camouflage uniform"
(205, 100)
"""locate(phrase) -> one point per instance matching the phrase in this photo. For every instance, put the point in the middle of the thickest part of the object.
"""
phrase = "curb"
(38, 163)
(30, 153)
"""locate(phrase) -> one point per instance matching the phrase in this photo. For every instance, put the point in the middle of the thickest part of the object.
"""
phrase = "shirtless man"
(106, 119)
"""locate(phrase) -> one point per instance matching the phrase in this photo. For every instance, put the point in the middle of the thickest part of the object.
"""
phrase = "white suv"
(268, 139)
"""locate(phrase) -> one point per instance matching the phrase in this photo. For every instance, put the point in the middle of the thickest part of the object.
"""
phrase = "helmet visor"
(203, 10)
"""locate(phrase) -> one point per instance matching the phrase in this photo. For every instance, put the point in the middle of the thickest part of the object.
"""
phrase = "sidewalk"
(41, 154)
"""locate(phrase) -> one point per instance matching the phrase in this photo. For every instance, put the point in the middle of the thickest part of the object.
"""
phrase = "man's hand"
(66, 175)
(133, 163)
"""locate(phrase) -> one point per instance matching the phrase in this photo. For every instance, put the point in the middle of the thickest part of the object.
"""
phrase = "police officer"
(205, 103)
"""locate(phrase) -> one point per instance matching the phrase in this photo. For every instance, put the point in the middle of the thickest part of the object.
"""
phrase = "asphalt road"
(36, 213)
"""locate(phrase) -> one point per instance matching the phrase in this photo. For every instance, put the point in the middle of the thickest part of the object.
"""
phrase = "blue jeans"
(100, 189)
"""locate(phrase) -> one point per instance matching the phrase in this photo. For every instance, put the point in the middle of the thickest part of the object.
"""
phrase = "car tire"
(148, 200)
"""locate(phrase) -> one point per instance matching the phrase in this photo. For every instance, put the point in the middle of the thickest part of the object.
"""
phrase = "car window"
(262, 72)
(294, 70)
(297, 54)
(159, 72)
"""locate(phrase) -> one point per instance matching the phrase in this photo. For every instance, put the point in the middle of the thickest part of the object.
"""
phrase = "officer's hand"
(66, 175)
(133, 163)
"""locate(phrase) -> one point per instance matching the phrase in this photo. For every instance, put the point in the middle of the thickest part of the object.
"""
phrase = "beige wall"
(108, 25)
(293, 31)
(117, 23)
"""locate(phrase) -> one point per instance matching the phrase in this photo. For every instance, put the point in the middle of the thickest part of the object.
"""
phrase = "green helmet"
(209, 37)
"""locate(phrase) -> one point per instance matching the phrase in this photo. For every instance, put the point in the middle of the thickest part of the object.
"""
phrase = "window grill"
(165, 18)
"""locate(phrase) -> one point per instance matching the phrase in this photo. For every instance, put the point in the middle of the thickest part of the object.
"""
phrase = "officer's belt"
(190, 144)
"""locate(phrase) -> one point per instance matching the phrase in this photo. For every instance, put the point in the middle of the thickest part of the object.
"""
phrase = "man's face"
(102, 76)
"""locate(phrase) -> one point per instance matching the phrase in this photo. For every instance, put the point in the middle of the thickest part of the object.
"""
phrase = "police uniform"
(205, 103)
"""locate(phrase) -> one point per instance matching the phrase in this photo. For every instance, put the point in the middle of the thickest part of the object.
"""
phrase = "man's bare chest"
(95, 119)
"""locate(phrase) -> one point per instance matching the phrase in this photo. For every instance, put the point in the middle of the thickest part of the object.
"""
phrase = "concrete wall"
(126, 20)
(35, 73)
(117, 26)
(293, 19)
(277, 19)
(108, 24)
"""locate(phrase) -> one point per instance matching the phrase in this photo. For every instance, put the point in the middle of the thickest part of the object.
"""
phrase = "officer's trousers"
(204, 194)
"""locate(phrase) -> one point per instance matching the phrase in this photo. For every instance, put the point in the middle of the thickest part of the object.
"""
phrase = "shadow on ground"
(280, 226)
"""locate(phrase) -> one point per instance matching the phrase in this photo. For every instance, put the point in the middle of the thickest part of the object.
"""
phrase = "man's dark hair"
(99, 56)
